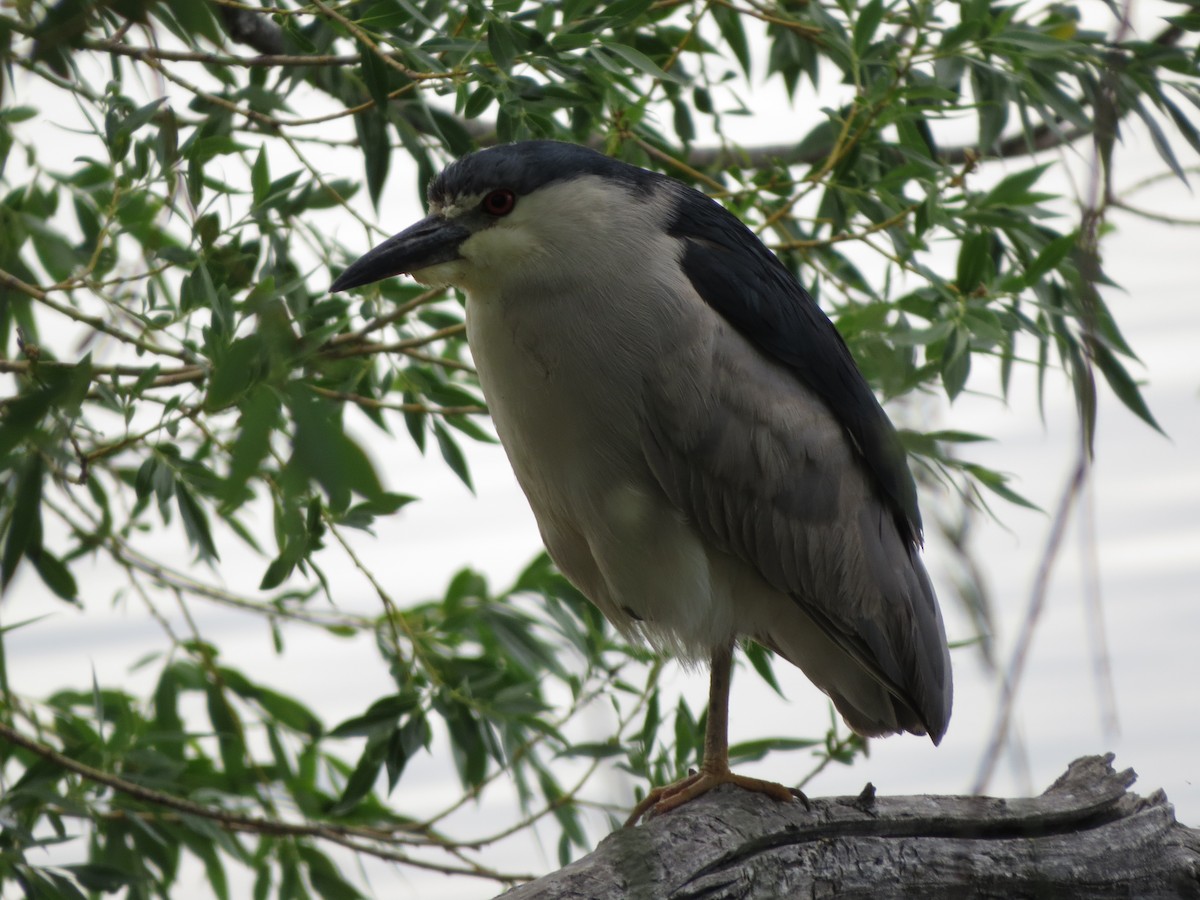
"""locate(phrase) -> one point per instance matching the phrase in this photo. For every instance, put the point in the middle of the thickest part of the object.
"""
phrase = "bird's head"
(502, 210)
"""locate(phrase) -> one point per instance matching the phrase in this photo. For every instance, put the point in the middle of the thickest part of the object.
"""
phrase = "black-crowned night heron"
(703, 457)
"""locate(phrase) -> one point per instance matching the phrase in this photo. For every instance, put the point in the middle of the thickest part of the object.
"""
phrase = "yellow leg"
(715, 768)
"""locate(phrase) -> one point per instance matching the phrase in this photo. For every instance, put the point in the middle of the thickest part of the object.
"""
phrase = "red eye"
(499, 203)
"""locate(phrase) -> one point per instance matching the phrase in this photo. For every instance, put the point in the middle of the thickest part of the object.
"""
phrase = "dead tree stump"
(1086, 836)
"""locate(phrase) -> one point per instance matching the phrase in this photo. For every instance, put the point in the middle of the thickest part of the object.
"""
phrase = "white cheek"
(497, 249)
(448, 273)
(485, 259)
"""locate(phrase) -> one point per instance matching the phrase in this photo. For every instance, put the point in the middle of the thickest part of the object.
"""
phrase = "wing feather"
(766, 474)
(736, 275)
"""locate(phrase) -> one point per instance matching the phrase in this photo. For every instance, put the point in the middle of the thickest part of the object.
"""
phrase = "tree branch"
(8, 280)
(344, 835)
(1085, 837)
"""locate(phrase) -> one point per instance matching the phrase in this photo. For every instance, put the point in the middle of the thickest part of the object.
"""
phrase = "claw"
(666, 798)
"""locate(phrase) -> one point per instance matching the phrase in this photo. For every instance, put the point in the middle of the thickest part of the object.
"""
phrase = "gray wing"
(767, 474)
(735, 274)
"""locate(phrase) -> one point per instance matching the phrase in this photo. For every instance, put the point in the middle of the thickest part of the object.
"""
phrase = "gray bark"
(1086, 836)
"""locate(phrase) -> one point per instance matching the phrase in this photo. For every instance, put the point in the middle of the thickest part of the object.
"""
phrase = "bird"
(704, 459)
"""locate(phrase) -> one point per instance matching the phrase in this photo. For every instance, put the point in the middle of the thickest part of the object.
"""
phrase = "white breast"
(571, 433)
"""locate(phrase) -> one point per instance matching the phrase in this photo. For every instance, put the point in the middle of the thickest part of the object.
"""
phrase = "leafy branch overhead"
(180, 182)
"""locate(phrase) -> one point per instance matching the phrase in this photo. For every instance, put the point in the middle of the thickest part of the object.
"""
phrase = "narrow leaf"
(195, 523)
(1123, 385)
(260, 177)
(24, 525)
(453, 455)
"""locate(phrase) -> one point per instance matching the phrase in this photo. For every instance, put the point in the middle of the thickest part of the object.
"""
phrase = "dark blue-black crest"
(529, 165)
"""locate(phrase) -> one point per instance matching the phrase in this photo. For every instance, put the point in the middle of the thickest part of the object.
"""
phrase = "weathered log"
(1086, 836)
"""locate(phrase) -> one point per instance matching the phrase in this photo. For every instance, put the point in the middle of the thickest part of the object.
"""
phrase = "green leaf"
(377, 75)
(749, 751)
(619, 14)
(410, 737)
(993, 91)
(729, 21)
(288, 711)
(363, 514)
(371, 126)
(259, 418)
(1182, 123)
(168, 725)
(453, 455)
(195, 523)
(641, 62)
(467, 743)
(76, 381)
(760, 658)
(363, 778)
(501, 44)
(260, 177)
(1123, 385)
(1052, 254)
(96, 877)
(211, 146)
(62, 386)
(593, 750)
(59, 887)
(974, 262)
(205, 846)
(683, 122)
(869, 17)
(25, 524)
(913, 138)
(650, 724)
(198, 292)
(55, 574)
(956, 362)
(478, 101)
(323, 452)
(324, 876)
(380, 718)
(1014, 189)
(228, 729)
(998, 484)
(16, 114)
(688, 747)
(516, 637)
(280, 568)
(1161, 144)
(195, 19)
(235, 371)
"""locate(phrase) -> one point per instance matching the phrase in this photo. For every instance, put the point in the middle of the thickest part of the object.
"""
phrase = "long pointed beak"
(431, 241)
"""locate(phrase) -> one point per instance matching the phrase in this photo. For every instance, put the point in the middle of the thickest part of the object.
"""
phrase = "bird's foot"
(666, 798)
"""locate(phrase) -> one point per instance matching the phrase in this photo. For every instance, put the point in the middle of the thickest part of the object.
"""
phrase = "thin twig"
(11, 281)
(1096, 203)
(226, 818)
(223, 59)
(349, 836)
(372, 403)
(399, 313)
(1037, 602)
(370, 349)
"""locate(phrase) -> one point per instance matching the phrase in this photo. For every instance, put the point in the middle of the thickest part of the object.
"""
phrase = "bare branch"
(350, 836)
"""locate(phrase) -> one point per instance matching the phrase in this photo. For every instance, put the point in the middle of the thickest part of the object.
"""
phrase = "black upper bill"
(431, 241)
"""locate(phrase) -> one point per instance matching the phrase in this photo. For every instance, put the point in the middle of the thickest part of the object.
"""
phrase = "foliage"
(175, 366)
